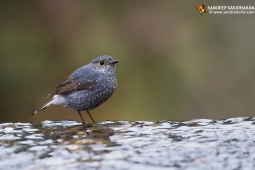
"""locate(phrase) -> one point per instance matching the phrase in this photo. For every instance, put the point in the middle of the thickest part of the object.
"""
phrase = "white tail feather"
(43, 107)
(57, 100)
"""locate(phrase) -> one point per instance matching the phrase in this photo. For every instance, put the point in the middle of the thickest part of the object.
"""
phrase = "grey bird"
(87, 87)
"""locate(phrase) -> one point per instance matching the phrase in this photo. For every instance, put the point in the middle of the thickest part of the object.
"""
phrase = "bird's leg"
(83, 122)
(90, 116)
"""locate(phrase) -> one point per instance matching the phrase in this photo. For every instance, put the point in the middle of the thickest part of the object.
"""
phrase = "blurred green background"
(175, 63)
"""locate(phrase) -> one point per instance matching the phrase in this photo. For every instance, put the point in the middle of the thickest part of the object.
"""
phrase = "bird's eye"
(101, 62)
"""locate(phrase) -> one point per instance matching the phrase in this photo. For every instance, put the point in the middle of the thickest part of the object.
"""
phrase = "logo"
(201, 9)
(225, 9)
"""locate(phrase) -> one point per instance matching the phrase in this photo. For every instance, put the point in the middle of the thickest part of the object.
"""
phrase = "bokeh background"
(175, 63)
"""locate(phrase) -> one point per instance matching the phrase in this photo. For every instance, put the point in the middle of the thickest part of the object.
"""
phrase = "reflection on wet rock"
(195, 144)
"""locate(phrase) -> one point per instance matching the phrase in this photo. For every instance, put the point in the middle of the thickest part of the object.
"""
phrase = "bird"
(87, 87)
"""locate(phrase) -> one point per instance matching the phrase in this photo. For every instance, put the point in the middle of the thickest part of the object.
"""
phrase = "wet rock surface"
(196, 144)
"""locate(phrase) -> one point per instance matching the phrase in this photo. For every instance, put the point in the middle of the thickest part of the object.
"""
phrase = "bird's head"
(104, 64)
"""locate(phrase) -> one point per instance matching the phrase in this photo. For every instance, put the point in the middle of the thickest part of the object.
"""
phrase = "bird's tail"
(43, 107)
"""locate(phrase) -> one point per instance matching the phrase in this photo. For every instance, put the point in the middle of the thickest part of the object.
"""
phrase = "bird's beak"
(115, 61)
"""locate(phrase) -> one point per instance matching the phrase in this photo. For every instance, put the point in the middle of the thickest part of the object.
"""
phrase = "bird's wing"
(81, 79)
(68, 86)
